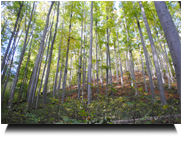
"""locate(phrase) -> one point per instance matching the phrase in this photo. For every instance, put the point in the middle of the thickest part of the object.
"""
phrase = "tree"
(20, 61)
(34, 73)
(90, 57)
(172, 38)
(66, 63)
(55, 82)
(80, 60)
(159, 78)
(50, 56)
(16, 23)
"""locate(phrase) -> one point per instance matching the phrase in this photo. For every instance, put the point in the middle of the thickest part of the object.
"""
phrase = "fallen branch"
(142, 119)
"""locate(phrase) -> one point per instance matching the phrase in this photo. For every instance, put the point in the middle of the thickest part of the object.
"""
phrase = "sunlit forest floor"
(126, 90)
(123, 107)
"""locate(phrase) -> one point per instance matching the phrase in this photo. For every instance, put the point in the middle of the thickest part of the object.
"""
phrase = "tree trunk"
(90, 58)
(120, 64)
(132, 71)
(55, 82)
(60, 76)
(10, 53)
(172, 38)
(70, 72)
(147, 62)
(43, 72)
(143, 71)
(20, 61)
(14, 49)
(168, 65)
(83, 77)
(5, 55)
(96, 58)
(66, 64)
(101, 68)
(25, 72)
(38, 56)
(50, 57)
(159, 78)
(110, 69)
(116, 63)
(80, 62)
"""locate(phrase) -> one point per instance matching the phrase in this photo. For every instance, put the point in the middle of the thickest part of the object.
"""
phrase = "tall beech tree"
(20, 61)
(34, 73)
(89, 81)
(159, 77)
(10, 40)
(66, 63)
(50, 56)
(172, 38)
(55, 81)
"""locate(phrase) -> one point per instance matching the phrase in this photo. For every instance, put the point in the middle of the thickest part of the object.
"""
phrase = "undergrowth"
(102, 110)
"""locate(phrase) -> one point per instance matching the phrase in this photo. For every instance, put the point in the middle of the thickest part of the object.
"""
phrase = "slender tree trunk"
(90, 57)
(5, 55)
(130, 60)
(25, 72)
(116, 63)
(147, 62)
(43, 72)
(168, 65)
(101, 68)
(96, 58)
(107, 62)
(70, 72)
(83, 77)
(66, 64)
(120, 64)
(38, 56)
(110, 74)
(159, 78)
(20, 61)
(80, 62)
(37, 77)
(55, 82)
(60, 76)
(14, 49)
(50, 57)
(10, 53)
(160, 66)
(172, 38)
(143, 71)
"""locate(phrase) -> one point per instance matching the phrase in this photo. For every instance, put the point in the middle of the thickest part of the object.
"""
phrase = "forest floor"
(123, 107)
(126, 90)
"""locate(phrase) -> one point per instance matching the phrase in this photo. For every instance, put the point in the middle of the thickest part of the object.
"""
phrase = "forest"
(90, 62)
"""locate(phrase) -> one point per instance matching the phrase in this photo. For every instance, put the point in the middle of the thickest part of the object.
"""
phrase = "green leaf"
(140, 89)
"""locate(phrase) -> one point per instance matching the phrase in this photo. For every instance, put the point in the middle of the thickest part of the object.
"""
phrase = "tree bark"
(5, 55)
(20, 61)
(90, 58)
(50, 57)
(147, 62)
(116, 63)
(120, 64)
(55, 82)
(159, 78)
(66, 64)
(38, 56)
(43, 72)
(172, 38)
(25, 72)
(80, 61)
